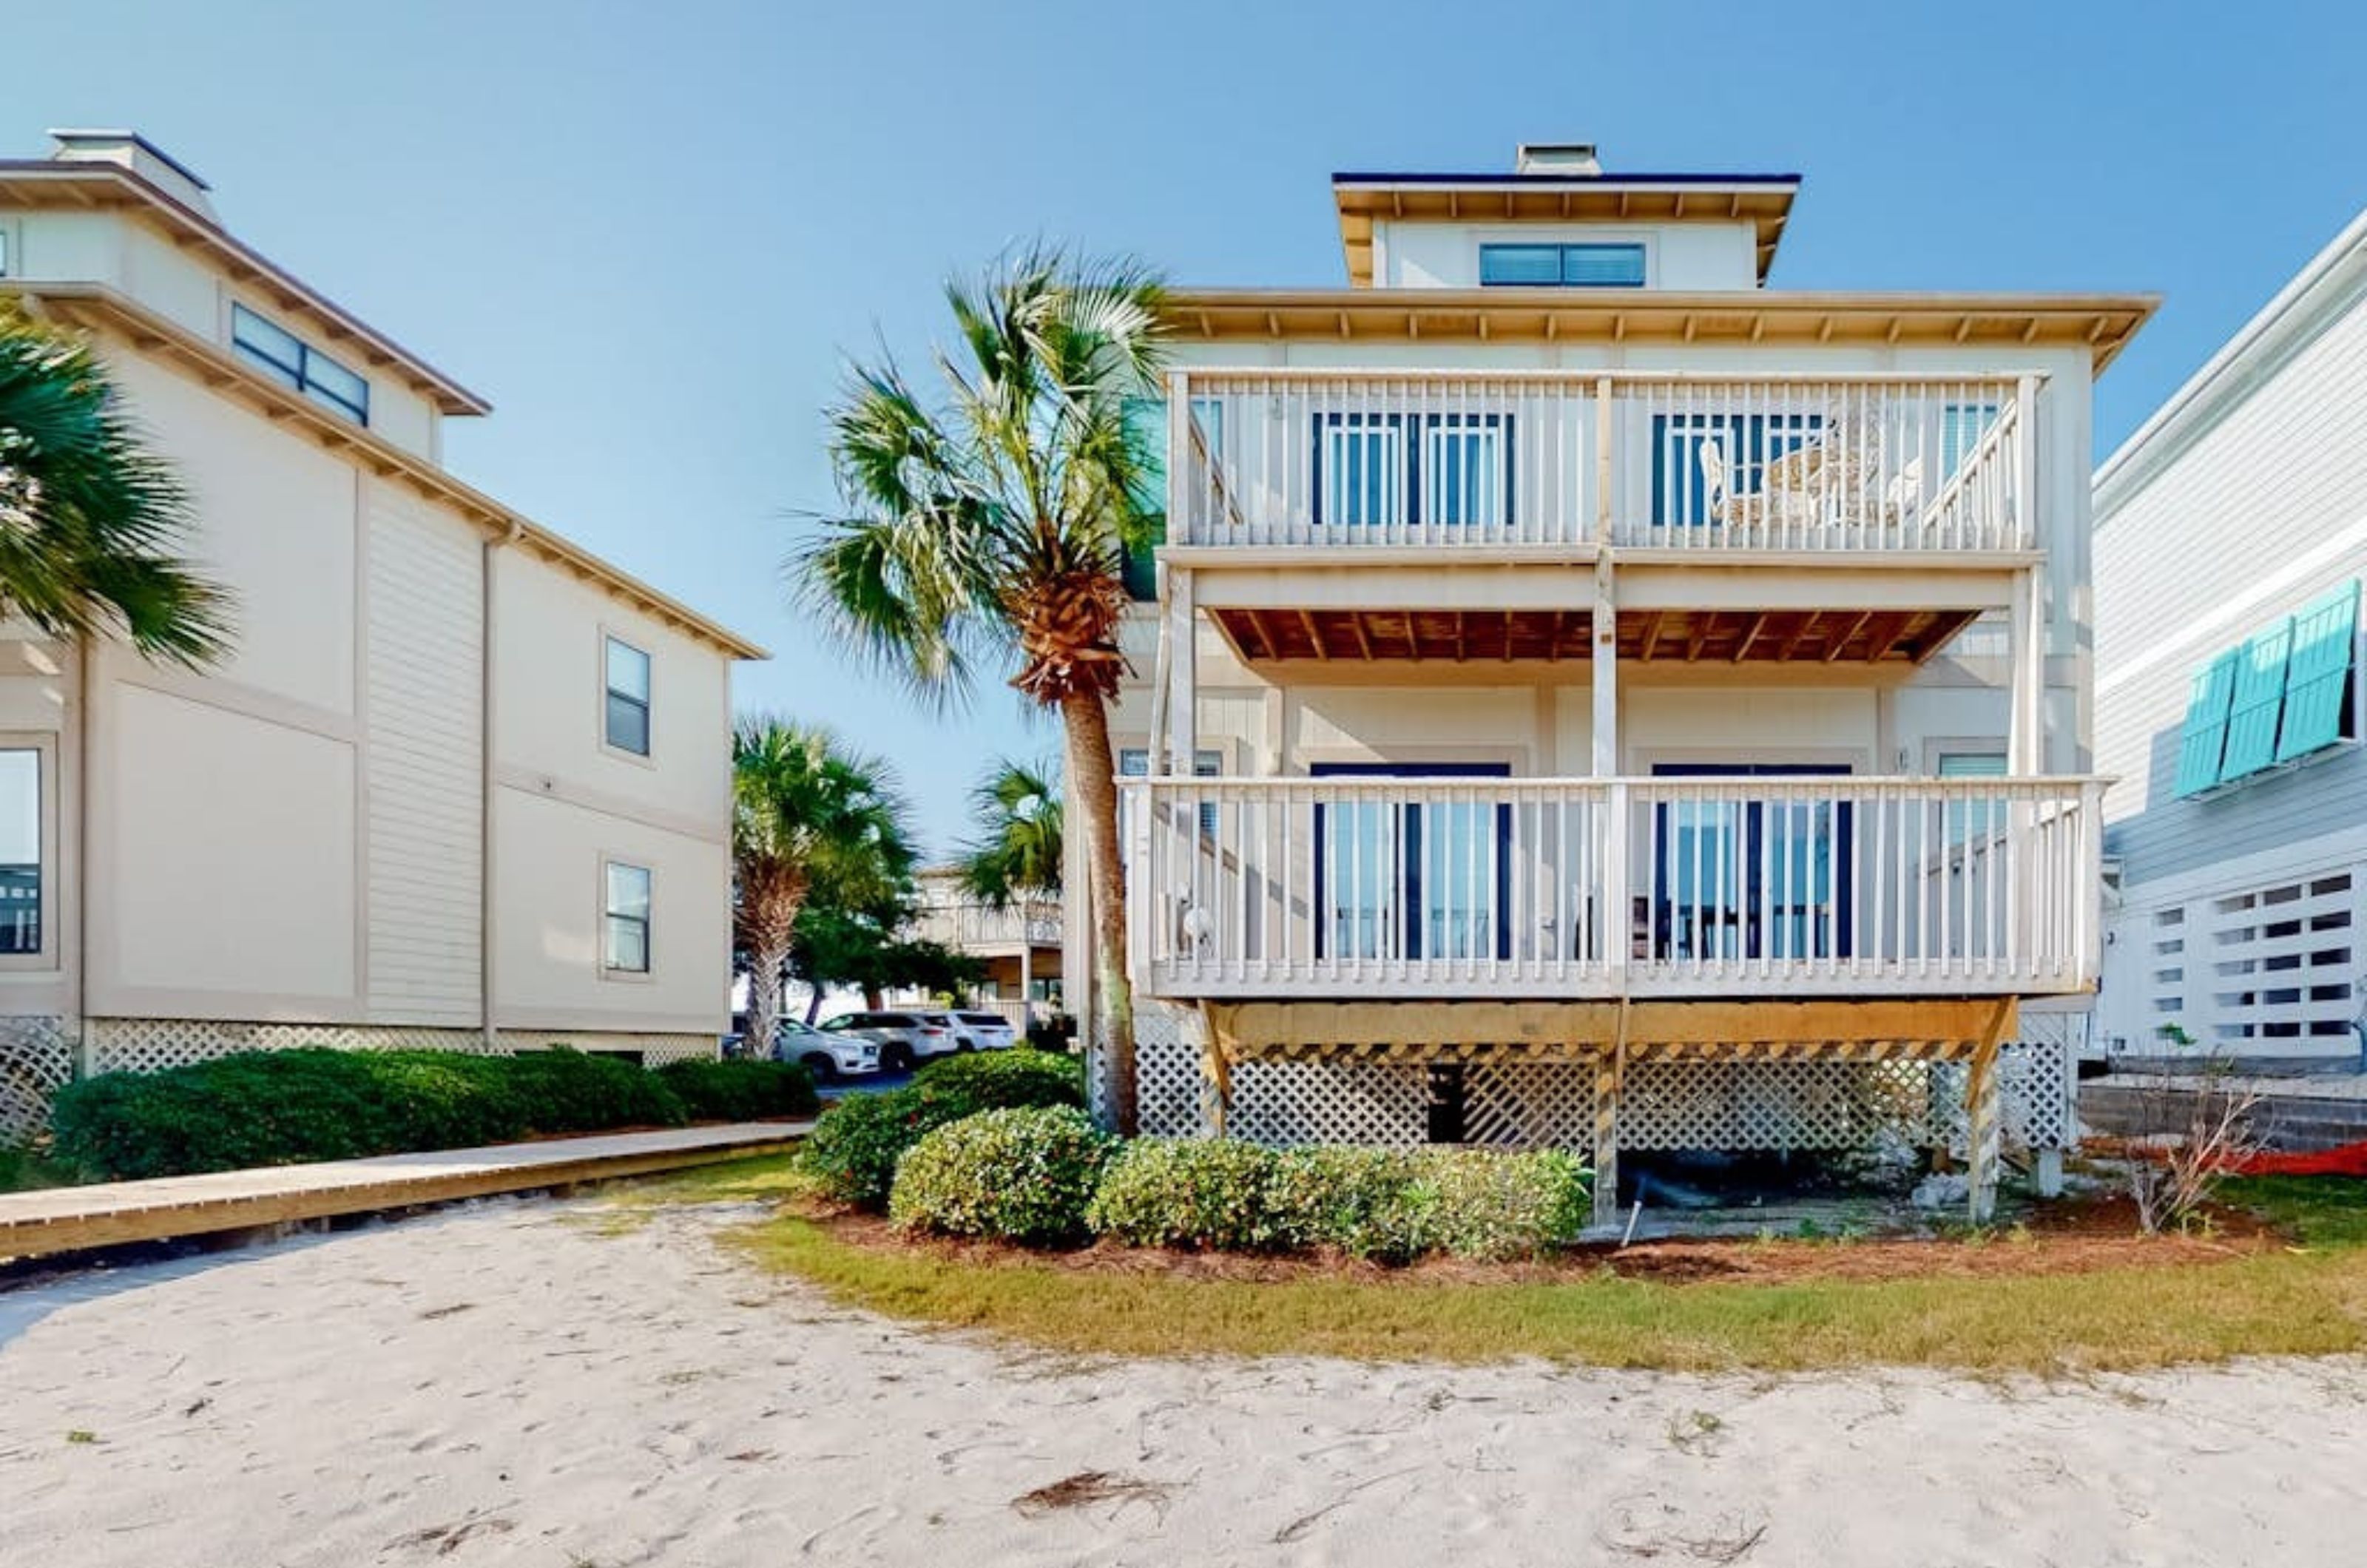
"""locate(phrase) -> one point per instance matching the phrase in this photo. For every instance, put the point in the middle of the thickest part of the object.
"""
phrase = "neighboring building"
(460, 782)
(1563, 638)
(1019, 944)
(2231, 543)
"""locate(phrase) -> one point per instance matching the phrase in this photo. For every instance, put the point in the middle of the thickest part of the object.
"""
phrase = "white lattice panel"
(151, 1045)
(1283, 1103)
(1166, 1070)
(1771, 1105)
(1529, 1105)
(36, 1059)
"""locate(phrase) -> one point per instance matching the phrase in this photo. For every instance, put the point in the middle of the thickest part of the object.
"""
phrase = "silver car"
(826, 1057)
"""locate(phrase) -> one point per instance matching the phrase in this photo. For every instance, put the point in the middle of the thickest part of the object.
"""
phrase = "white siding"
(424, 769)
(2260, 513)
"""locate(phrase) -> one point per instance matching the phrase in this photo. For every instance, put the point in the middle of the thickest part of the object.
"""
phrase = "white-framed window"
(1967, 818)
(1594, 265)
(625, 713)
(298, 366)
(623, 918)
(23, 841)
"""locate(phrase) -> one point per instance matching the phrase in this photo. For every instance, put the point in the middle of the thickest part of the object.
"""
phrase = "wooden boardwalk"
(67, 1219)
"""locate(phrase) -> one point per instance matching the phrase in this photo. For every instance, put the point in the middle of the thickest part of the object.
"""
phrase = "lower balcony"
(1387, 888)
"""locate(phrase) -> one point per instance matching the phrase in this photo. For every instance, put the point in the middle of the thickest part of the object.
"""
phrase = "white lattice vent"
(1529, 1105)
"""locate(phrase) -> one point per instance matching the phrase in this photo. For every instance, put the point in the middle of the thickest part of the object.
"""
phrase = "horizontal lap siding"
(2282, 476)
(424, 775)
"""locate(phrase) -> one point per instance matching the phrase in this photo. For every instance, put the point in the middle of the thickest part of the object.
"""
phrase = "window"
(626, 725)
(298, 366)
(1456, 472)
(1965, 816)
(625, 941)
(1562, 266)
(1145, 440)
(1134, 762)
(20, 852)
(1701, 462)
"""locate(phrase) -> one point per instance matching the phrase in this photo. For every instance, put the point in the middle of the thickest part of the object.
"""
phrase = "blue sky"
(649, 233)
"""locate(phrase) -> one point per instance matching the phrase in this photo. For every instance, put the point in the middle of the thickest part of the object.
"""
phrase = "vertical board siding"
(2280, 476)
(424, 775)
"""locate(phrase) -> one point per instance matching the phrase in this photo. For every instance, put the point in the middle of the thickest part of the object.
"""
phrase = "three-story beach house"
(1589, 697)
(458, 782)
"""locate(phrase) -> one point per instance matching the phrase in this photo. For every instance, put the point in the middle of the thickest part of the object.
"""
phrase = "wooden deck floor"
(67, 1219)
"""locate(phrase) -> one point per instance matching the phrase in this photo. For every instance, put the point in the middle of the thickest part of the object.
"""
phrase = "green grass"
(2308, 1300)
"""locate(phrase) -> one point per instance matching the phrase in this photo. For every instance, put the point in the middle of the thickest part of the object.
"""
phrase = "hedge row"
(853, 1149)
(283, 1106)
(1044, 1176)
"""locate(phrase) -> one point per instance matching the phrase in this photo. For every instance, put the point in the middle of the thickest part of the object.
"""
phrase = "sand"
(506, 1384)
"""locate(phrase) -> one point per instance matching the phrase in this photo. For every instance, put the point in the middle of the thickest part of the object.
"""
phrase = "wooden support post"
(1982, 1122)
(1606, 1139)
(1216, 1079)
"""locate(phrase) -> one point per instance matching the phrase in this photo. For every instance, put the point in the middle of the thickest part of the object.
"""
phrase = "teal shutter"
(2259, 698)
(2318, 678)
(2204, 735)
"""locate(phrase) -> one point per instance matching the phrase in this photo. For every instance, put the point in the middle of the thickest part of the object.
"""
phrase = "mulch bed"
(2070, 1237)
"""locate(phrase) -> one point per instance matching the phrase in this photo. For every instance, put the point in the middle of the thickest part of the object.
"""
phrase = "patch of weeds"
(82, 1435)
(1695, 1432)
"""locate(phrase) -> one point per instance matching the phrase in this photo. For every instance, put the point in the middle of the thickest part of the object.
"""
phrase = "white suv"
(985, 1031)
(826, 1057)
(905, 1038)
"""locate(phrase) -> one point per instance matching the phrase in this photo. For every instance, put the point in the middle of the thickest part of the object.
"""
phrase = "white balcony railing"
(1035, 922)
(1398, 888)
(1337, 458)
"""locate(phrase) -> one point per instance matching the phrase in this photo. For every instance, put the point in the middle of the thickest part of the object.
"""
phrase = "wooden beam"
(1799, 634)
(1750, 635)
(1833, 651)
(1853, 1029)
(1363, 639)
(1307, 619)
(1508, 635)
(1700, 638)
(1265, 638)
(1877, 648)
(1651, 639)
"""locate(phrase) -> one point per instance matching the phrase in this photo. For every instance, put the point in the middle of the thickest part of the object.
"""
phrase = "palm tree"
(88, 515)
(1016, 854)
(807, 818)
(993, 523)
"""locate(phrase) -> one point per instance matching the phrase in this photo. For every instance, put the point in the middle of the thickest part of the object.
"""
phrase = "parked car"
(827, 1056)
(905, 1038)
(985, 1031)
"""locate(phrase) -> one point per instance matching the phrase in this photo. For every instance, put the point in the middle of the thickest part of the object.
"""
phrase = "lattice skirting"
(36, 1059)
(148, 1044)
(1664, 1104)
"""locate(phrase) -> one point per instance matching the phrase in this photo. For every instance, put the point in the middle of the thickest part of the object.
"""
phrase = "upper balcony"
(1862, 467)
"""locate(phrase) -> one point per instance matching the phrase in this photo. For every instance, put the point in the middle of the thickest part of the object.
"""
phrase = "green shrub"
(1023, 1176)
(281, 1107)
(1502, 1206)
(740, 1091)
(1005, 1080)
(1205, 1193)
(853, 1148)
(1367, 1203)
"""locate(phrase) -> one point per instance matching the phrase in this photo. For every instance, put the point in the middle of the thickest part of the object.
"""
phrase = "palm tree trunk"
(766, 919)
(1092, 775)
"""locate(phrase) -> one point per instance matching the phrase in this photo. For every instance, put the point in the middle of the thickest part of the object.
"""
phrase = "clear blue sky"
(650, 233)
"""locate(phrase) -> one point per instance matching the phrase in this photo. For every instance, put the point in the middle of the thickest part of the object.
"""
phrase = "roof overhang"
(99, 308)
(1763, 200)
(2103, 323)
(49, 183)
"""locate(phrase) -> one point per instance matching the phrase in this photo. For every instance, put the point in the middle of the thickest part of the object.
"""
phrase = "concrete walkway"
(65, 1219)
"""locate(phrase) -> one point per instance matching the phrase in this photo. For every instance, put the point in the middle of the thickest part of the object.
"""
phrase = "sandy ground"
(505, 1383)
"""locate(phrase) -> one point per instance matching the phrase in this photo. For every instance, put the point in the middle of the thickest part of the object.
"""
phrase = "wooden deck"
(68, 1219)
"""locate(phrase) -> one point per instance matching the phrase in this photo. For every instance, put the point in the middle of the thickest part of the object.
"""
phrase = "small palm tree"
(994, 524)
(1016, 853)
(807, 818)
(88, 515)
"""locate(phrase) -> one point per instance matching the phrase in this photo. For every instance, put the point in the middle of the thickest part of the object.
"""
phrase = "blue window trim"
(1575, 265)
(302, 376)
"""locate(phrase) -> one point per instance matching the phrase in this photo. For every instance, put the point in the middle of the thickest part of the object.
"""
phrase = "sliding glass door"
(1398, 878)
(1767, 876)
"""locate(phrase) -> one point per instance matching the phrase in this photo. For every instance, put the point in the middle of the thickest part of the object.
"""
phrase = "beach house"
(460, 782)
(1587, 696)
